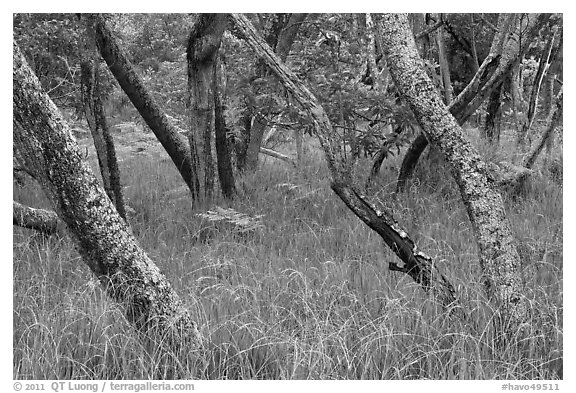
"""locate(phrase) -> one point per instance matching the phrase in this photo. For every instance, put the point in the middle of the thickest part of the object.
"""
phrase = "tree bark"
(203, 44)
(536, 86)
(105, 241)
(372, 68)
(280, 156)
(506, 50)
(499, 259)
(225, 171)
(103, 140)
(552, 124)
(415, 264)
(169, 136)
(280, 38)
(492, 123)
(444, 64)
(44, 221)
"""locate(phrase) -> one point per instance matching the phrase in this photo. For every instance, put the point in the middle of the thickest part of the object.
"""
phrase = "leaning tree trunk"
(444, 64)
(506, 50)
(280, 38)
(44, 221)
(499, 259)
(552, 124)
(103, 141)
(105, 241)
(536, 86)
(175, 144)
(415, 264)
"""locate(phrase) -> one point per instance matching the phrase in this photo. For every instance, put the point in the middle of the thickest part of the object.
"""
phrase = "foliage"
(50, 43)
(234, 220)
(287, 284)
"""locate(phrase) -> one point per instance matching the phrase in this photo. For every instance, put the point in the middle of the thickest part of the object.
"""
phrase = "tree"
(202, 52)
(506, 50)
(546, 57)
(415, 264)
(50, 152)
(92, 99)
(175, 144)
(44, 221)
(499, 259)
(225, 171)
(280, 37)
(555, 119)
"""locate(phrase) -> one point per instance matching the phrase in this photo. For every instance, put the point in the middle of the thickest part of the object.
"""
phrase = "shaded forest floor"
(303, 292)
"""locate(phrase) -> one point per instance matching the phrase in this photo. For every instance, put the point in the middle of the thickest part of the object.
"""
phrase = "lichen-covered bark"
(49, 149)
(509, 45)
(175, 144)
(372, 68)
(552, 124)
(499, 259)
(415, 264)
(280, 38)
(203, 44)
(536, 86)
(44, 221)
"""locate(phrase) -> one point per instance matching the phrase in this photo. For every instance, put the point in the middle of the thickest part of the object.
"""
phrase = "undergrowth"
(305, 293)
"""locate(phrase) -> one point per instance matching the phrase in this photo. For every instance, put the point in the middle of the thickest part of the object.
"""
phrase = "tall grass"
(309, 295)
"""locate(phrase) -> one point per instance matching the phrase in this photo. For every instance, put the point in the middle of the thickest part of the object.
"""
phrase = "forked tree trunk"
(203, 44)
(105, 241)
(552, 124)
(505, 51)
(280, 38)
(175, 144)
(499, 259)
(103, 141)
(536, 86)
(44, 221)
(415, 264)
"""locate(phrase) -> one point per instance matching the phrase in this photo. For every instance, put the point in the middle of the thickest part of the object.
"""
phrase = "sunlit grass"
(307, 296)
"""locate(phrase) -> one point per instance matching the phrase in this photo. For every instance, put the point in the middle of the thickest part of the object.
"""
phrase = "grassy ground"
(308, 295)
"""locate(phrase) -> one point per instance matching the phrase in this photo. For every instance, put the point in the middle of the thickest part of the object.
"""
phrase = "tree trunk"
(225, 172)
(280, 156)
(444, 64)
(203, 45)
(415, 264)
(505, 52)
(494, 115)
(552, 124)
(103, 141)
(372, 68)
(44, 221)
(536, 86)
(280, 38)
(516, 94)
(475, 62)
(499, 259)
(169, 136)
(105, 241)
